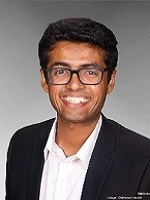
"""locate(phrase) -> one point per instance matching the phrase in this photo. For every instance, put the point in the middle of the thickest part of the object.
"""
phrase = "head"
(80, 30)
(75, 44)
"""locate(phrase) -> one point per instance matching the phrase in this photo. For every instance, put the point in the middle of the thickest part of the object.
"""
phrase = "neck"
(71, 136)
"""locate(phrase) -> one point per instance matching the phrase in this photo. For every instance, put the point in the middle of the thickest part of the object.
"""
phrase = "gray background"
(22, 100)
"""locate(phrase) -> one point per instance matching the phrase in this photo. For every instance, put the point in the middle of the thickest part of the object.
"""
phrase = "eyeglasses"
(87, 75)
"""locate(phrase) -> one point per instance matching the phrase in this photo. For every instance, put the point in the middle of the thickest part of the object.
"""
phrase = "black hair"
(79, 30)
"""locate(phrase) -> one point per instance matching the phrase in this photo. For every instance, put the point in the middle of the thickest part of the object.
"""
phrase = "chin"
(79, 119)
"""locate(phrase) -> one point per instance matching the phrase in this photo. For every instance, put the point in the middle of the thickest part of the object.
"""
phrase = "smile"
(75, 100)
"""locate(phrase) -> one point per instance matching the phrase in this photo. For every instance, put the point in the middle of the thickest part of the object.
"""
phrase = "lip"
(75, 100)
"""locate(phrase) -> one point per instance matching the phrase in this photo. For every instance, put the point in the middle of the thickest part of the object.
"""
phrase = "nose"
(75, 83)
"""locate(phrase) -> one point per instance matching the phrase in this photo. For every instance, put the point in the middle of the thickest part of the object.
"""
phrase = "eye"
(91, 72)
(59, 71)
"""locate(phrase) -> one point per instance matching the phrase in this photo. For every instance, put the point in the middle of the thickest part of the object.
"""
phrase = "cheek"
(99, 94)
(54, 94)
(99, 90)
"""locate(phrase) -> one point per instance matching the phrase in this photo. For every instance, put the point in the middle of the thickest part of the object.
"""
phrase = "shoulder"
(32, 132)
(129, 142)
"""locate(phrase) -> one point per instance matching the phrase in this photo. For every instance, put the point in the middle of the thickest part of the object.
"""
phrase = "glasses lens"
(90, 75)
(58, 76)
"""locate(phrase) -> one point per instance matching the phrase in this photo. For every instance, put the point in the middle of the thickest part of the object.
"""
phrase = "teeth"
(76, 100)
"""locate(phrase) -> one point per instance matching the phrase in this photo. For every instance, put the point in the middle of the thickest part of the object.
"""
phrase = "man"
(81, 154)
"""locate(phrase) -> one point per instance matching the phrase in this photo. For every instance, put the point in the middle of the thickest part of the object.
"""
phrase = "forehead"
(76, 51)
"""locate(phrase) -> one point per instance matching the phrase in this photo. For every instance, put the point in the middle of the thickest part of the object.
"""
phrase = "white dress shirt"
(63, 177)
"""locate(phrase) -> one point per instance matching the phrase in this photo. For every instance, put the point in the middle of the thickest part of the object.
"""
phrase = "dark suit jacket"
(119, 166)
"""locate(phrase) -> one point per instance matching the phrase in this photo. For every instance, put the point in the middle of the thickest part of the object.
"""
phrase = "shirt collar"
(84, 153)
(51, 141)
(86, 150)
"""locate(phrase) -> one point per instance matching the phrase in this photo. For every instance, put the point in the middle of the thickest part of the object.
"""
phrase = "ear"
(111, 83)
(43, 81)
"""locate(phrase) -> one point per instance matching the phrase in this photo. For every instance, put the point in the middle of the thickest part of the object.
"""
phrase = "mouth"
(75, 100)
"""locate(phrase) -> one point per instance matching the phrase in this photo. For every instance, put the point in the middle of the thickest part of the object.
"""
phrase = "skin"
(76, 120)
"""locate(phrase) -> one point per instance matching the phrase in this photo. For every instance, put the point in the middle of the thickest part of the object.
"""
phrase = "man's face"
(76, 102)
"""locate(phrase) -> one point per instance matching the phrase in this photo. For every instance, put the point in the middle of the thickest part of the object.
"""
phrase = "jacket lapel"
(101, 160)
(37, 162)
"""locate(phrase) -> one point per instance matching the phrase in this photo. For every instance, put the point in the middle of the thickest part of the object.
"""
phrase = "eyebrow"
(91, 65)
(64, 64)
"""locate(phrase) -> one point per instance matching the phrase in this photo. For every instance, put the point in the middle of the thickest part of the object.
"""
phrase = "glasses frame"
(74, 72)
